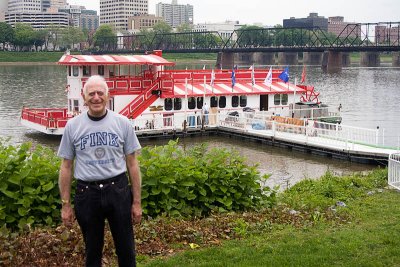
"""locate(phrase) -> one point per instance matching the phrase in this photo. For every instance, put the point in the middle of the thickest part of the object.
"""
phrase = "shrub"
(28, 186)
(197, 181)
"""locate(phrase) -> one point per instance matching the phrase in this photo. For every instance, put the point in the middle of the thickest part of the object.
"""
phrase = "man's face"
(96, 99)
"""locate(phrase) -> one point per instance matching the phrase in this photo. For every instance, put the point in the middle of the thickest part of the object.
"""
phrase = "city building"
(37, 20)
(3, 9)
(311, 22)
(385, 35)
(137, 23)
(117, 12)
(174, 14)
(339, 27)
(38, 13)
(81, 17)
(224, 29)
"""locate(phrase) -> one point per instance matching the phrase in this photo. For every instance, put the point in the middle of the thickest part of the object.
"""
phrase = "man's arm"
(64, 183)
(136, 183)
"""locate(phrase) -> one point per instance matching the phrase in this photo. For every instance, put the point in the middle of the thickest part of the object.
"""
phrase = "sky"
(270, 13)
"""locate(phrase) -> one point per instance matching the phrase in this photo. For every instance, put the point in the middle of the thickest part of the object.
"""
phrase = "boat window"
(86, 70)
(243, 100)
(284, 99)
(177, 103)
(76, 106)
(111, 103)
(191, 103)
(69, 70)
(168, 104)
(100, 70)
(214, 102)
(75, 71)
(235, 101)
(70, 105)
(222, 102)
(199, 102)
(277, 99)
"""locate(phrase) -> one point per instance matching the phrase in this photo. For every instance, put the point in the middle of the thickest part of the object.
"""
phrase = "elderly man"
(97, 148)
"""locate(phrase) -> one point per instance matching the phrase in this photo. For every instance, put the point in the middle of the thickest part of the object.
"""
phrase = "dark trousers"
(109, 199)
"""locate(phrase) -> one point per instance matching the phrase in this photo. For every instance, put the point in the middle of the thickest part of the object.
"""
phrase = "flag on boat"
(233, 76)
(212, 77)
(303, 75)
(268, 79)
(253, 79)
(284, 76)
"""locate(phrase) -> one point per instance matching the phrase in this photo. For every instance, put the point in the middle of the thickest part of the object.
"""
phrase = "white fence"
(394, 170)
(337, 135)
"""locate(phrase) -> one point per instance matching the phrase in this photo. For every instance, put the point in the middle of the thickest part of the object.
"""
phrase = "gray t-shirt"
(98, 147)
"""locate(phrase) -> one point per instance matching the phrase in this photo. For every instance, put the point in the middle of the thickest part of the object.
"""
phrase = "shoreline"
(26, 63)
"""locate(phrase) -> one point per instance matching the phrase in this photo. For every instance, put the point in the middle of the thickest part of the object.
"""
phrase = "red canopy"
(113, 60)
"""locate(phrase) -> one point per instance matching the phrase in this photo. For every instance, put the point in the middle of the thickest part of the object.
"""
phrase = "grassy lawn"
(370, 238)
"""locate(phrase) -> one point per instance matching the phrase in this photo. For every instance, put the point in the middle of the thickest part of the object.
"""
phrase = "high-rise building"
(117, 12)
(38, 13)
(3, 9)
(174, 14)
(80, 17)
(138, 23)
(311, 22)
(339, 27)
(24, 6)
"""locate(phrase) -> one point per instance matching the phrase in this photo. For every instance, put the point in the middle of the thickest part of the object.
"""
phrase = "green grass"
(367, 235)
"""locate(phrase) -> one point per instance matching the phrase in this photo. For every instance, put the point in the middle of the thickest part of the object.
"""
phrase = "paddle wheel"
(310, 94)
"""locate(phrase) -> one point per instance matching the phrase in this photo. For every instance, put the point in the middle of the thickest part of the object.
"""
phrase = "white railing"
(394, 170)
(336, 135)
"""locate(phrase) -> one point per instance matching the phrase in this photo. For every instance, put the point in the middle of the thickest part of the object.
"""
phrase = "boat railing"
(51, 118)
(309, 113)
(394, 170)
(169, 121)
(328, 133)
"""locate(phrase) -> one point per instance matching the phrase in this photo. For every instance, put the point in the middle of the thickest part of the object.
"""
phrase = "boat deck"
(346, 143)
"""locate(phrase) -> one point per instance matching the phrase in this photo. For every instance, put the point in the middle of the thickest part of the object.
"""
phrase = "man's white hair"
(95, 79)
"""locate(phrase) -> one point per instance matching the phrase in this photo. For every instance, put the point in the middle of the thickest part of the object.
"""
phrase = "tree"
(185, 27)
(72, 36)
(39, 38)
(105, 38)
(24, 36)
(54, 37)
(6, 34)
(162, 27)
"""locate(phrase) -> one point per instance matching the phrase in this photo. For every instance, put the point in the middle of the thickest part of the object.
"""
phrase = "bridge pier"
(370, 59)
(332, 61)
(245, 58)
(225, 60)
(286, 58)
(312, 58)
(346, 62)
(396, 59)
(263, 58)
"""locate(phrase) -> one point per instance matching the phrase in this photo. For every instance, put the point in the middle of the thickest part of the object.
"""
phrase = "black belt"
(104, 181)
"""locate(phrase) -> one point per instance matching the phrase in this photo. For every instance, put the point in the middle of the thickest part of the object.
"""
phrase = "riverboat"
(157, 97)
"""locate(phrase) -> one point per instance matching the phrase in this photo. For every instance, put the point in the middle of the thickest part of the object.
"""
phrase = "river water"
(370, 97)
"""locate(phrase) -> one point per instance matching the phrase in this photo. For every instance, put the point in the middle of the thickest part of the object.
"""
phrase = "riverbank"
(316, 223)
(34, 58)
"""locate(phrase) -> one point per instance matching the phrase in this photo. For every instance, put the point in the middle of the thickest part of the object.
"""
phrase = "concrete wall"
(396, 59)
(312, 58)
(332, 61)
(370, 59)
(286, 58)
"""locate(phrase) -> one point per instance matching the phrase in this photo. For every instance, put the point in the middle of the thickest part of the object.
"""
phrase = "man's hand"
(136, 213)
(67, 215)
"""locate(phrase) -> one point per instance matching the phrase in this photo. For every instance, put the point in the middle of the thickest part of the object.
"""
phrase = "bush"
(28, 186)
(197, 181)
(175, 183)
